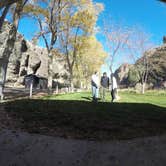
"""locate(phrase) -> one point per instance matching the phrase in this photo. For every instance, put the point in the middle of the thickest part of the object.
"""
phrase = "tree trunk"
(71, 86)
(81, 85)
(6, 54)
(12, 34)
(57, 89)
(71, 80)
(143, 87)
(50, 73)
(2, 18)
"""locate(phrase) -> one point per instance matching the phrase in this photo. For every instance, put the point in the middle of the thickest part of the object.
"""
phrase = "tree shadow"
(16, 93)
(90, 98)
(87, 120)
(87, 98)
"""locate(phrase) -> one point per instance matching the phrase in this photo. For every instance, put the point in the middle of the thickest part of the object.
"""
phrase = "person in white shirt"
(95, 86)
(114, 87)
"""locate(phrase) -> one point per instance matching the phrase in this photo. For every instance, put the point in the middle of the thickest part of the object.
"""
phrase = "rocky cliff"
(157, 63)
(121, 74)
(28, 58)
(157, 68)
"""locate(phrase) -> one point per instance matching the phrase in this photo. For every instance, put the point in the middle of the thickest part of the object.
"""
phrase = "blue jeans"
(95, 92)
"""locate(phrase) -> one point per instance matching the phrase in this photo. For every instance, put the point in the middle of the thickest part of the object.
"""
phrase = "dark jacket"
(104, 81)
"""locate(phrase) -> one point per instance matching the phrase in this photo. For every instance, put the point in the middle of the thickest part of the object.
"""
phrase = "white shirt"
(95, 79)
(114, 83)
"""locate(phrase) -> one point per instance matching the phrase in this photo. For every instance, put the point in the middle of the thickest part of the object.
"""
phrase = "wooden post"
(31, 89)
(1, 92)
(3, 69)
(57, 88)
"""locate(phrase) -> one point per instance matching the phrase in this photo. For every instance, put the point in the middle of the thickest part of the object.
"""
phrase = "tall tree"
(9, 44)
(48, 15)
(61, 22)
(79, 21)
(116, 37)
(3, 16)
(5, 6)
(138, 45)
(91, 56)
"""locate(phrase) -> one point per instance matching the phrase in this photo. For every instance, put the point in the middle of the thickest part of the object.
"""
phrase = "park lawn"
(152, 97)
(75, 116)
(79, 96)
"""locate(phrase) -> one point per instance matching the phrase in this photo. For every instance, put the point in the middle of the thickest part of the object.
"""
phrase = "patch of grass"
(151, 97)
(82, 96)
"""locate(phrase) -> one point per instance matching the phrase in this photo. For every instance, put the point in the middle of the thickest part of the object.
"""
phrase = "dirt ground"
(23, 149)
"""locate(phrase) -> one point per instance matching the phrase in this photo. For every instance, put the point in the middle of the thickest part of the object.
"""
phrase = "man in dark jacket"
(104, 85)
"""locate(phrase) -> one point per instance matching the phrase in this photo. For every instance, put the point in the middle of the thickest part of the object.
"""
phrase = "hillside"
(156, 59)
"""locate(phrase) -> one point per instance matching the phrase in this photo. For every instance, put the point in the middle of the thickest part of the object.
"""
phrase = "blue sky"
(149, 14)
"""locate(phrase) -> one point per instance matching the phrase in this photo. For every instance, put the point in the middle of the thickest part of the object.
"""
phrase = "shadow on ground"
(87, 98)
(16, 93)
(86, 120)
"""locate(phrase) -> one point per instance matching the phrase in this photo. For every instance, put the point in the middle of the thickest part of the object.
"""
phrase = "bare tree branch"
(43, 35)
(4, 3)
(2, 18)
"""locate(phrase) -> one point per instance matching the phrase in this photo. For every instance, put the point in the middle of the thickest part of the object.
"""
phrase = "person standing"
(114, 87)
(104, 85)
(95, 86)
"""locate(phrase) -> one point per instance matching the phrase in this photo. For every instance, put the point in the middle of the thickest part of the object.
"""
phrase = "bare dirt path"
(23, 149)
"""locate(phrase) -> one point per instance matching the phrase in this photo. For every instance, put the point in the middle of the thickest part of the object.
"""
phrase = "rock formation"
(157, 68)
(121, 74)
(157, 61)
(28, 58)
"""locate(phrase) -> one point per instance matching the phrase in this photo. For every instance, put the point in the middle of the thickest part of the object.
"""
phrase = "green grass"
(75, 116)
(71, 96)
(152, 97)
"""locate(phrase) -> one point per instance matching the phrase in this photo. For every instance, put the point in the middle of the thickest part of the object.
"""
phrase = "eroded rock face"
(121, 74)
(157, 60)
(28, 58)
(157, 68)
